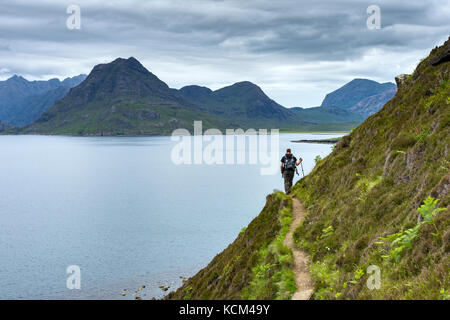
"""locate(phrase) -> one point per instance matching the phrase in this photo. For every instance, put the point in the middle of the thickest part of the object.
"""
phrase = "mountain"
(369, 207)
(361, 96)
(245, 103)
(372, 104)
(23, 101)
(240, 100)
(124, 98)
(326, 114)
(5, 126)
(120, 98)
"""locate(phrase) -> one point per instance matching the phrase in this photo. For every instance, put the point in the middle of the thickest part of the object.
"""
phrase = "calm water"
(121, 210)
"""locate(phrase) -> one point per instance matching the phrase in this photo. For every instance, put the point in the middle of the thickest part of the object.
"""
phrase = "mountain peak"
(246, 84)
(113, 83)
(16, 78)
(357, 90)
(130, 60)
(241, 87)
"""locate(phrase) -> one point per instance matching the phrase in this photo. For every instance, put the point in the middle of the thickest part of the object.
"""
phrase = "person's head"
(288, 151)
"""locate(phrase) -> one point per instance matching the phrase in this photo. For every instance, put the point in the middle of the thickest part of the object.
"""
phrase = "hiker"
(289, 165)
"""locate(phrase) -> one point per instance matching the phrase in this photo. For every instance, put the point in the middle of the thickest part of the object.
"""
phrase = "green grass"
(284, 277)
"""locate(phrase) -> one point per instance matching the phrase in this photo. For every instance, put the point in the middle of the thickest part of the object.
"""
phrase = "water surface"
(121, 210)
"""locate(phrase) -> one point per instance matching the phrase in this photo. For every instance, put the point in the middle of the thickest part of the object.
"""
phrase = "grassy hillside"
(121, 119)
(255, 266)
(363, 199)
(370, 203)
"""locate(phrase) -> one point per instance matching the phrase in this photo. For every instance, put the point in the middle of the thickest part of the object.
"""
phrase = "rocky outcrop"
(444, 56)
(401, 79)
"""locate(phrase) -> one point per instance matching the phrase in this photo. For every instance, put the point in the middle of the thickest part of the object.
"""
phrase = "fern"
(428, 210)
(402, 241)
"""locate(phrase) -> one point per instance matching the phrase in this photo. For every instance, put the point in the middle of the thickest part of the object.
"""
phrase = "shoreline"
(160, 135)
(325, 141)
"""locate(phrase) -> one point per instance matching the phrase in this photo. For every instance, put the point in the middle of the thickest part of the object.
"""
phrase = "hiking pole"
(301, 163)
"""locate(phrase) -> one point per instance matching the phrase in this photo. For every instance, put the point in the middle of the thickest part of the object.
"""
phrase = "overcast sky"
(297, 51)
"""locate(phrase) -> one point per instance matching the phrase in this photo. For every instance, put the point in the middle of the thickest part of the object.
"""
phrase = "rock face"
(401, 79)
(444, 56)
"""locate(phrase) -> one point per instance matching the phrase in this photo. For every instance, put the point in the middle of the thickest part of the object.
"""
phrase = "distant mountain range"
(124, 98)
(22, 101)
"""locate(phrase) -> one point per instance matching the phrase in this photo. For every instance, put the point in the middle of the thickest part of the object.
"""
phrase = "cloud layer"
(297, 51)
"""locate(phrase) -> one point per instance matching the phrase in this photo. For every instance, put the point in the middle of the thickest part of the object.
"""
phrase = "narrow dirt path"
(301, 267)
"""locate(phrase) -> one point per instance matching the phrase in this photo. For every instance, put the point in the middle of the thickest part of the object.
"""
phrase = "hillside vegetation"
(371, 202)
(255, 266)
(365, 201)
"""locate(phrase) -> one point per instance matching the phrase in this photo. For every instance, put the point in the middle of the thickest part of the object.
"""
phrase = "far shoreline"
(157, 135)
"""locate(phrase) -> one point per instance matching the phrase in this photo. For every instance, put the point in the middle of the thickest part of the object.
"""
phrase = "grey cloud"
(283, 45)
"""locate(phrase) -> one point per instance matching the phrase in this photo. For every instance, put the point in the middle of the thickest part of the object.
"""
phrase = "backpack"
(289, 164)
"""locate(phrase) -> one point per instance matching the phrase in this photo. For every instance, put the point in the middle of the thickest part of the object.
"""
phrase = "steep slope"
(369, 187)
(355, 91)
(372, 185)
(255, 266)
(23, 101)
(30, 107)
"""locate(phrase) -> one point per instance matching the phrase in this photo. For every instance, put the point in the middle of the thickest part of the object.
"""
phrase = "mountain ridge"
(23, 101)
(124, 98)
